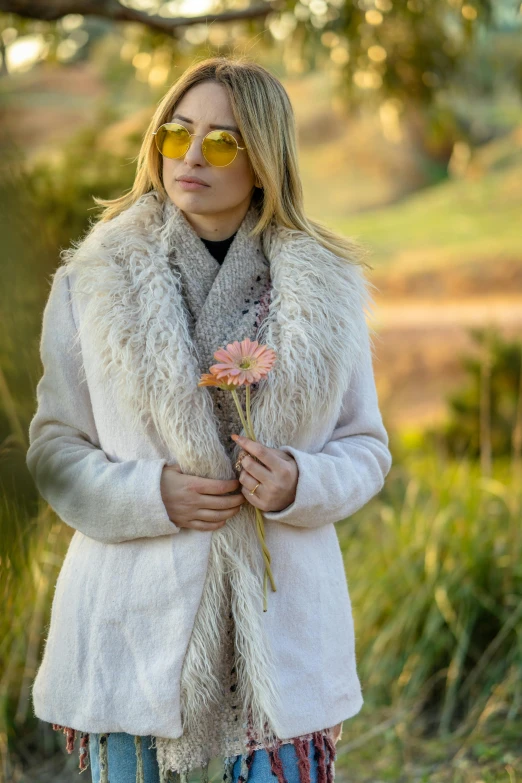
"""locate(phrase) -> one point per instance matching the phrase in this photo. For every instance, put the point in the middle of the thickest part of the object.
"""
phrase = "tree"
(412, 61)
(52, 10)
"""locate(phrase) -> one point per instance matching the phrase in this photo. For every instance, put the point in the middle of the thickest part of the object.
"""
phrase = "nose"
(194, 154)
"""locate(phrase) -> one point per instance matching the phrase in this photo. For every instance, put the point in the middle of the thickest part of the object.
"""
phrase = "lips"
(192, 179)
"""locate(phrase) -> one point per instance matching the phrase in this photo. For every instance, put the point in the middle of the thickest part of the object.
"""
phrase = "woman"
(159, 653)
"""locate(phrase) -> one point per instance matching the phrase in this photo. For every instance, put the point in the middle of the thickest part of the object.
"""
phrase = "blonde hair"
(265, 118)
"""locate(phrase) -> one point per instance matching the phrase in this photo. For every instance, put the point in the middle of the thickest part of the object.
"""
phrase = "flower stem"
(266, 553)
(252, 436)
(241, 414)
(260, 525)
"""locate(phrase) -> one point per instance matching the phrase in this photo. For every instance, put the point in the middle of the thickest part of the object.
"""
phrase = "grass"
(453, 222)
(435, 574)
(385, 749)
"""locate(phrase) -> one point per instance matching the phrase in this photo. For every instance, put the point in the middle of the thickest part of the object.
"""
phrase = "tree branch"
(52, 10)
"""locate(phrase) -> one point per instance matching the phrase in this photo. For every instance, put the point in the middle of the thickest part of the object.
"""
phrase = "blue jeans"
(122, 762)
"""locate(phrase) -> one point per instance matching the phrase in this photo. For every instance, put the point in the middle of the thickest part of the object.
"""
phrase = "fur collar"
(133, 311)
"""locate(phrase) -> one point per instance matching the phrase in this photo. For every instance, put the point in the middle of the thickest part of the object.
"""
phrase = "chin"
(187, 198)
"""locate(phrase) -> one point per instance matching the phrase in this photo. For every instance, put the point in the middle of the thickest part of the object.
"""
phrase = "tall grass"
(435, 575)
(31, 553)
(32, 541)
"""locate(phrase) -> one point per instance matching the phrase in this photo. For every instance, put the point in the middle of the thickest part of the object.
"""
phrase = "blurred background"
(409, 118)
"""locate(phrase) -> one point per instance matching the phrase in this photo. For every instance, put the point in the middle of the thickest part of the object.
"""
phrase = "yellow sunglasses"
(219, 147)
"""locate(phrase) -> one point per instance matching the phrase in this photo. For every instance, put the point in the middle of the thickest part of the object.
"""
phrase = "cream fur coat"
(132, 641)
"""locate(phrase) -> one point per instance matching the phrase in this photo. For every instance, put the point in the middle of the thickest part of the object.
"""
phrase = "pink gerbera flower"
(207, 379)
(243, 363)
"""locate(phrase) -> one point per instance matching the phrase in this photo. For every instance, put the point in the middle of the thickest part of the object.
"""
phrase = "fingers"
(255, 469)
(215, 515)
(205, 486)
(249, 484)
(263, 453)
(196, 524)
(199, 503)
(219, 502)
(208, 519)
(208, 486)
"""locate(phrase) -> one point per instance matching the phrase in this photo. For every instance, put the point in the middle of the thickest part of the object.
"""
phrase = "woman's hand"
(198, 503)
(274, 469)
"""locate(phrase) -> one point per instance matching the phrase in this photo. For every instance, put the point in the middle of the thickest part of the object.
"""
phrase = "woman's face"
(228, 189)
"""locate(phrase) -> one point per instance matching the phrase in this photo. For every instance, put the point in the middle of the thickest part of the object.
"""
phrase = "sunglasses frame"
(216, 130)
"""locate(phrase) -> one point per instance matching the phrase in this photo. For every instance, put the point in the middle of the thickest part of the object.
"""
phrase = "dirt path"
(418, 349)
(424, 313)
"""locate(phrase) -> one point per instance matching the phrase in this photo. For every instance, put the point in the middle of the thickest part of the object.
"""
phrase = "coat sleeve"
(350, 469)
(107, 501)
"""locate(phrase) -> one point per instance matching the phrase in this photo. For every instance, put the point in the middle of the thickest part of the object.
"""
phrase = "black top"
(218, 249)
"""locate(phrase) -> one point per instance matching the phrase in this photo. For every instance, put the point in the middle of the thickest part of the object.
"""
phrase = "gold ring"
(256, 486)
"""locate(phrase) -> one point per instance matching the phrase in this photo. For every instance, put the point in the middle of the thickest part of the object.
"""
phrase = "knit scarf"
(224, 302)
(155, 308)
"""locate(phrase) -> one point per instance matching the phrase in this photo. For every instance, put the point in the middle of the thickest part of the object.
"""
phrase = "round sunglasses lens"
(219, 148)
(172, 140)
